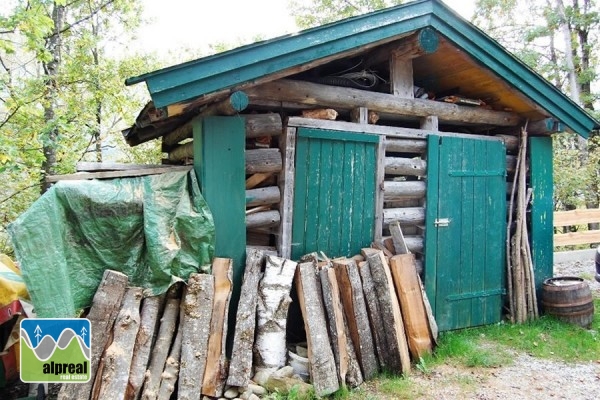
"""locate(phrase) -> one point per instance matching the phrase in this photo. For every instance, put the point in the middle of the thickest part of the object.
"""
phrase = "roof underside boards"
(500, 74)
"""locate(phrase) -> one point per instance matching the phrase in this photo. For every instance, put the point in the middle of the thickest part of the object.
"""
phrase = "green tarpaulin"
(156, 229)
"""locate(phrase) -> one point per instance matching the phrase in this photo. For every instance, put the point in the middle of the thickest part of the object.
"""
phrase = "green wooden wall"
(542, 207)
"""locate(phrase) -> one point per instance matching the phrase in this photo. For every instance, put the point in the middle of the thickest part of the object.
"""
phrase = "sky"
(195, 24)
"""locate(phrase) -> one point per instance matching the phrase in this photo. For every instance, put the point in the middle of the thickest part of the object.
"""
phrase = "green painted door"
(334, 196)
(465, 230)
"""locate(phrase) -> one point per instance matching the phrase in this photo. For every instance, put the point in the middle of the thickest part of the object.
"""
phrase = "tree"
(319, 12)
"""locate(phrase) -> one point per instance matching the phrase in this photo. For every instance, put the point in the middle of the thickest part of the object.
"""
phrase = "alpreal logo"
(55, 350)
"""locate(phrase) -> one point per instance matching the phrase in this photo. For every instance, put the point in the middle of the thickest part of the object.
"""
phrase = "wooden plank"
(215, 373)
(376, 318)
(117, 357)
(116, 174)
(430, 123)
(414, 315)
(389, 131)
(256, 179)
(573, 238)
(240, 366)
(390, 312)
(349, 98)
(580, 216)
(85, 166)
(401, 76)
(380, 188)
(286, 187)
(356, 313)
(400, 245)
(273, 303)
(360, 115)
(301, 184)
(198, 293)
(323, 374)
(432, 206)
(343, 349)
(105, 307)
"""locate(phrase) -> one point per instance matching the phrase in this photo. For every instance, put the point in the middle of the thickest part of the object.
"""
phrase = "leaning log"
(263, 196)
(349, 98)
(117, 358)
(343, 349)
(105, 307)
(216, 372)
(393, 191)
(196, 327)
(321, 362)
(270, 352)
(405, 166)
(406, 216)
(356, 313)
(240, 366)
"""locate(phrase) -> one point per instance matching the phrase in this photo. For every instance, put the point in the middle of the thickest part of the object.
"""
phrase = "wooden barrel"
(569, 299)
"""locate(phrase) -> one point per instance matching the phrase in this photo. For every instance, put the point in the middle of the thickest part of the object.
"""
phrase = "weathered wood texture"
(321, 113)
(198, 295)
(286, 184)
(406, 216)
(151, 307)
(117, 357)
(116, 174)
(400, 246)
(417, 146)
(215, 373)
(414, 314)
(263, 196)
(348, 98)
(398, 354)
(171, 373)
(356, 313)
(343, 349)
(404, 190)
(405, 166)
(321, 362)
(258, 125)
(105, 307)
(263, 160)
(240, 366)
(270, 351)
(263, 219)
(164, 337)
(401, 76)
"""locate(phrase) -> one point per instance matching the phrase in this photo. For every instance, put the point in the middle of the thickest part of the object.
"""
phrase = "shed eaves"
(241, 67)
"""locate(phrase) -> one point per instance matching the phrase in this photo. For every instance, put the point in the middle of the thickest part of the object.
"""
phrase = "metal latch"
(442, 222)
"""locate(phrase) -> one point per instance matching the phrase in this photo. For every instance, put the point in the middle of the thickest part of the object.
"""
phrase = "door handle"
(441, 222)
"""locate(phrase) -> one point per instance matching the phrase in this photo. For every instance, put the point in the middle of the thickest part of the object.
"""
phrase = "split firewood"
(321, 113)
(375, 316)
(343, 350)
(196, 327)
(216, 371)
(270, 351)
(397, 350)
(256, 179)
(117, 357)
(381, 247)
(168, 322)
(408, 290)
(356, 312)
(169, 376)
(151, 307)
(400, 246)
(105, 307)
(240, 366)
(320, 356)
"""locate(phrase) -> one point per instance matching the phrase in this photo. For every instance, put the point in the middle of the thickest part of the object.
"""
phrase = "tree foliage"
(319, 12)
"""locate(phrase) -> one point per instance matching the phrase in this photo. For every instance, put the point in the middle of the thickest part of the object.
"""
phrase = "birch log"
(117, 358)
(240, 365)
(375, 316)
(343, 349)
(171, 372)
(356, 312)
(164, 337)
(216, 371)
(390, 310)
(105, 307)
(197, 312)
(405, 166)
(406, 216)
(321, 362)
(151, 307)
(270, 352)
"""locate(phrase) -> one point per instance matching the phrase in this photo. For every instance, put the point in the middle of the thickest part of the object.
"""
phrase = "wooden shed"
(317, 141)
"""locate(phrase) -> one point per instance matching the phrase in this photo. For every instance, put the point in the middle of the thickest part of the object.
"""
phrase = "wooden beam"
(263, 160)
(404, 190)
(263, 196)
(286, 187)
(580, 216)
(430, 123)
(406, 216)
(379, 188)
(405, 166)
(258, 125)
(401, 76)
(573, 238)
(116, 174)
(423, 42)
(418, 146)
(263, 219)
(348, 98)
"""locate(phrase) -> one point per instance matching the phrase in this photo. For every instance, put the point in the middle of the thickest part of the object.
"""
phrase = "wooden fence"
(576, 217)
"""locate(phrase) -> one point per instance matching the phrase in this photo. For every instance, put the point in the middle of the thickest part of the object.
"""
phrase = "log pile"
(361, 315)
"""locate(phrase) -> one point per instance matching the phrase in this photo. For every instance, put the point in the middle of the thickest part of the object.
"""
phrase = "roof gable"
(209, 77)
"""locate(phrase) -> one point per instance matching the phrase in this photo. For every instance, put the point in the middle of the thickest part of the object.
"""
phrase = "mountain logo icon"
(55, 350)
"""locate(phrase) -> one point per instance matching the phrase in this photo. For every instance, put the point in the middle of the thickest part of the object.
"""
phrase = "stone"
(231, 393)
(262, 376)
(284, 385)
(284, 372)
(257, 390)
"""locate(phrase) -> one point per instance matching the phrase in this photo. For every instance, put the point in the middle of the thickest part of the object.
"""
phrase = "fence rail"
(576, 217)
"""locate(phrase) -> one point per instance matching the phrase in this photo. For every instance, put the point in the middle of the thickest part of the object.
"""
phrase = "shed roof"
(210, 78)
